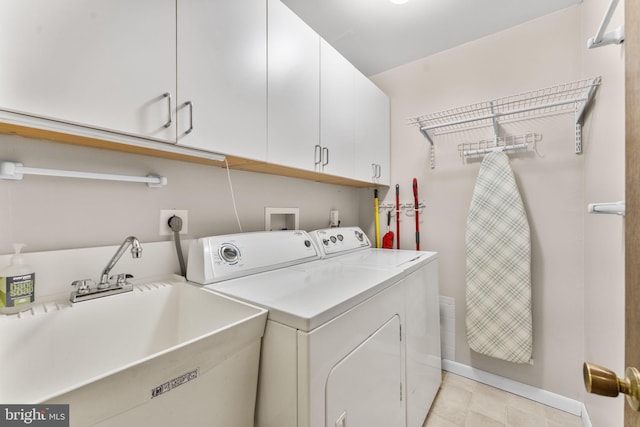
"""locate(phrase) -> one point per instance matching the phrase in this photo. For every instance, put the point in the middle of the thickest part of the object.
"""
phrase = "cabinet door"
(337, 111)
(293, 89)
(372, 132)
(222, 76)
(99, 63)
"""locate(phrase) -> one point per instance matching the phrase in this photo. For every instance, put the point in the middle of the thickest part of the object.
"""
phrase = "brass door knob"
(603, 381)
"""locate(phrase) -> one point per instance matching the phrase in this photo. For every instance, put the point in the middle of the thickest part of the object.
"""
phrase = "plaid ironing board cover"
(498, 249)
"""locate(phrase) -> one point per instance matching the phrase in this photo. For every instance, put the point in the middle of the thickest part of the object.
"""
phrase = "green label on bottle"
(17, 290)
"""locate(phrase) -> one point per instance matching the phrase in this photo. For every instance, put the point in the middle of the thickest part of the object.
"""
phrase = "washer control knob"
(326, 242)
(340, 237)
(307, 243)
(359, 236)
(333, 239)
(229, 253)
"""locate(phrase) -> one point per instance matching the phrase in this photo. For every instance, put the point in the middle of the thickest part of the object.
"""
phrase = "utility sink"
(169, 353)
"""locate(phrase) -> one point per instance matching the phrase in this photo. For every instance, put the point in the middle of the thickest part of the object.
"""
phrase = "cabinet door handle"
(377, 170)
(190, 105)
(326, 161)
(168, 96)
(317, 155)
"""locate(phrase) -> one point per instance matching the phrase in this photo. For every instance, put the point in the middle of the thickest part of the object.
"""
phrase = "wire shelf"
(550, 100)
(573, 96)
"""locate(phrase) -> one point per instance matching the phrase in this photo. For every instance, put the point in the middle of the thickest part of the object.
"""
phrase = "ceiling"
(377, 35)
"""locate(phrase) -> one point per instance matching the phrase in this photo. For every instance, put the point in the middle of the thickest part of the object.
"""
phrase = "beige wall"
(61, 213)
(538, 54)
(604, 234)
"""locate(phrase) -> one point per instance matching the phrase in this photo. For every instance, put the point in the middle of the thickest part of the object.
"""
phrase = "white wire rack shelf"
(563, 98)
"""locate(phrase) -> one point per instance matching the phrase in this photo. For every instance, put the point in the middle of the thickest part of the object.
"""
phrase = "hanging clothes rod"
(612, 37)
(478, 152)
(15, 171)
(508, 143)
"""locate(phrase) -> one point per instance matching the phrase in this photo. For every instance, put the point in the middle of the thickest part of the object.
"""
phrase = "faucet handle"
(83, 286)
(121, 279)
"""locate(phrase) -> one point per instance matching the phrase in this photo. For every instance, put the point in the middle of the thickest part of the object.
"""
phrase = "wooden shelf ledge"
(237, 163)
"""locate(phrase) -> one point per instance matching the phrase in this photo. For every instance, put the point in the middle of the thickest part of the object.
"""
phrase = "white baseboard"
(533, 393)
(586, 422)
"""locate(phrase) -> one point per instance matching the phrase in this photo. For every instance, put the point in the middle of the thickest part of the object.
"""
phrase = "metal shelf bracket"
(612, 37)
(615, 208)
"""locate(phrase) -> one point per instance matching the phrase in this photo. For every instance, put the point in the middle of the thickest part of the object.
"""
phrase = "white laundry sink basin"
(168, 353)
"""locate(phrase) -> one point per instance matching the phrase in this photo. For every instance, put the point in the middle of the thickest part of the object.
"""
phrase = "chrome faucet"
(136, 252)
(85, 291)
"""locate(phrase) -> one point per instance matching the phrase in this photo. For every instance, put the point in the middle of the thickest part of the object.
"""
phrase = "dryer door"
(365, 388)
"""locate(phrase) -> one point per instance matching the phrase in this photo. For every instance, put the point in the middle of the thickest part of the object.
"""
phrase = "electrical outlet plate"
(165, 214)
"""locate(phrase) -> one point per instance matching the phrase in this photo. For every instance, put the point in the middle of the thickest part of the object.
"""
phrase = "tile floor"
(462, 402)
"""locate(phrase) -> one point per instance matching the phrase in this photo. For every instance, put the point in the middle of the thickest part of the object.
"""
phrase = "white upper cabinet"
(323, 114)
(354, 121)
(222, 76)
(337, 112)
(293, 90)
(244, 78)
(372, 142)
(104, 64)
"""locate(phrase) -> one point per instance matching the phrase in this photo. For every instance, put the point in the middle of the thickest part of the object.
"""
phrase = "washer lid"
(388, 258)
(308, 295)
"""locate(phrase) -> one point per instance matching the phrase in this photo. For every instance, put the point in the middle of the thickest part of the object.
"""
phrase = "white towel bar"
(15, 171)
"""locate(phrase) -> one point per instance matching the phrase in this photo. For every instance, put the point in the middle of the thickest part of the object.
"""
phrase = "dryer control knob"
(229, 253)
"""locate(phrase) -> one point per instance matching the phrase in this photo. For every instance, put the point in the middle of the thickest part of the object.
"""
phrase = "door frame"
(632, 194)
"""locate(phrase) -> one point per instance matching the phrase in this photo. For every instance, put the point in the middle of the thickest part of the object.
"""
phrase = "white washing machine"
(333, 354)
(417, 272)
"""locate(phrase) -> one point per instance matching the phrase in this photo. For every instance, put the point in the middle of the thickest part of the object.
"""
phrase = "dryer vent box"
(281, 219)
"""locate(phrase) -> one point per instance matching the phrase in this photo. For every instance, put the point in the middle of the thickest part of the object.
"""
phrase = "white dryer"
(332, 353)
(417, 273)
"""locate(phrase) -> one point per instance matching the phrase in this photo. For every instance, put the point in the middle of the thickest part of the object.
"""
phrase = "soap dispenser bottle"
(17, 283)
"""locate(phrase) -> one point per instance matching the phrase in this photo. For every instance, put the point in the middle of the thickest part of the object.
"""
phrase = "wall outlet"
(165, 214)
